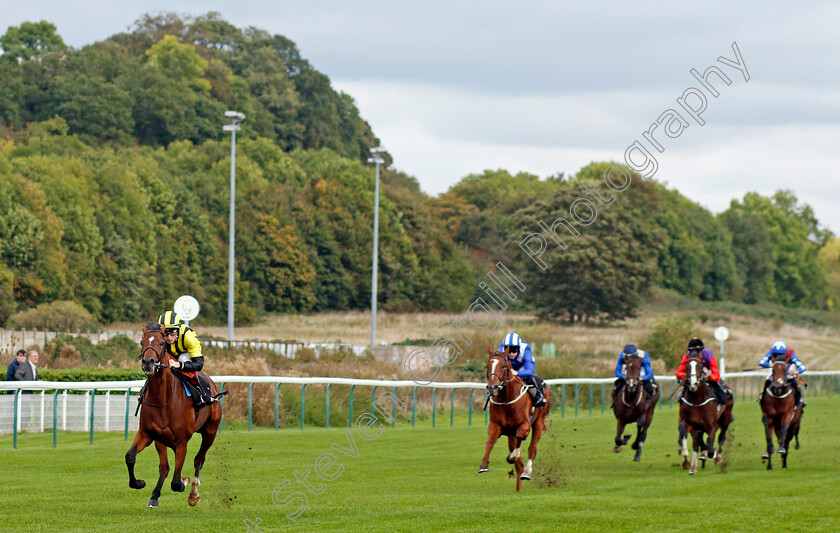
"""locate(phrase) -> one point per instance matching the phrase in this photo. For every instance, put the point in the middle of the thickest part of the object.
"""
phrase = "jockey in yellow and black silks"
(183, 345)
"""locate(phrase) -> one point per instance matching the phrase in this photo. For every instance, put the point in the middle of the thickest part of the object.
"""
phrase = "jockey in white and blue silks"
(522, 361)
(646, 374)
(794, 367)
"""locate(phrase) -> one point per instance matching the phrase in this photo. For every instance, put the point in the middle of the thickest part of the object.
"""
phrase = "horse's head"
(153, 353)
(632, 372)
(778, 374)
(694, 368)
(498, 373)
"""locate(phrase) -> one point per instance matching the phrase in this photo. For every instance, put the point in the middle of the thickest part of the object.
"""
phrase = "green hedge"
(91, 374)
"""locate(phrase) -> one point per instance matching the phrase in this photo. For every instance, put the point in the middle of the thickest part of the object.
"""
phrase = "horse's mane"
(152, 325)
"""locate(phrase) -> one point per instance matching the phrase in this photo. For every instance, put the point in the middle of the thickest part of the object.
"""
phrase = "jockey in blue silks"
(522, 361)
(646, 374)
(794, 367)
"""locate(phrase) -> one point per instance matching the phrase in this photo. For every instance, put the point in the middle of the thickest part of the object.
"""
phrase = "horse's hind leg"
(207, 439)
(141, 440)
(163, 469)
(536, 433)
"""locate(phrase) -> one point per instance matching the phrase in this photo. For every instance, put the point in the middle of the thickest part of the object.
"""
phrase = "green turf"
(425, 479)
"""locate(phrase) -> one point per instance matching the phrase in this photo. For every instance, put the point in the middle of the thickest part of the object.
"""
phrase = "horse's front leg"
(141, 440)
(515, 442)
(179, 483)
(494, 431)
(619, 442)
(768, 433)
(163, 470)
(641, 434)
(696, 440)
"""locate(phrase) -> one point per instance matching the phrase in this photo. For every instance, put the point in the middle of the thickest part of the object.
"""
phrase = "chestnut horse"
(169, 419)
(512, 414)
(779, 413)
(700, 414)
(630, 407)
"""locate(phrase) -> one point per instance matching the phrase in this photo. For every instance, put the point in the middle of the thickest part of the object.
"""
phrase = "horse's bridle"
(778, 385)
(156, 367)
(502, 380)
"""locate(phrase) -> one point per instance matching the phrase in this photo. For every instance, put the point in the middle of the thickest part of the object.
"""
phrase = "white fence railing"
(110, 405)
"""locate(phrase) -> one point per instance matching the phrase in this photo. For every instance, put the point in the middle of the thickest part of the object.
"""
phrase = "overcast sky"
(546, 87)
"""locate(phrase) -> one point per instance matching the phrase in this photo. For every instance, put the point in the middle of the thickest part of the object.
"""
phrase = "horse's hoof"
(153, 504)
(718, 458)
(765, 456)
(194, 501)
(526, 477)
(186, 480)
(782, 451)
(483, 469)
(692, 472)
(617, 448)
(509, 460)
(634, 446)
(685, 464)
(637, 459)
(138, 484)
(177, 486)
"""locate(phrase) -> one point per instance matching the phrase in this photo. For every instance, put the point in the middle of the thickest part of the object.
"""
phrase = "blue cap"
(630, 349)
(779, 347)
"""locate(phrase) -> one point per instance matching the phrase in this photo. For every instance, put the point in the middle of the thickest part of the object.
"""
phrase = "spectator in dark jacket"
(11, 370)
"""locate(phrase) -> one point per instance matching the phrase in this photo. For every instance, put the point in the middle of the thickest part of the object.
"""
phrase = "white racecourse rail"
(104, 411)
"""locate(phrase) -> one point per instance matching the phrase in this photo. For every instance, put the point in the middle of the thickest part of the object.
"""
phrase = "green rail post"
(590, 399)
(671, 396)
(373, 400)
(250, 403)
(577, 390)
(55, 419)
(394, 409)
(562, 400)
(327, 408)
(15, 421)
(277, 407)
(302, 404)
(603, 397)
(434, 405)
(221, 400)
(413, 406)
(350, 415)
(127, 409)
(452, 409)
(92, 398)
(469, 422)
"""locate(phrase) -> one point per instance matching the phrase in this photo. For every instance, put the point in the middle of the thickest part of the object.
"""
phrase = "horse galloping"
(169, 419)
(512, 414)
(779, 413)
(700, 414)
(629, 406)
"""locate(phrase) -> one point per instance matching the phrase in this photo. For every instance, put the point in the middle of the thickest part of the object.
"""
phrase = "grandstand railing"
(27, 405)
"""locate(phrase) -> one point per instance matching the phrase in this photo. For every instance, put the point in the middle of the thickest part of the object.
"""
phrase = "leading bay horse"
(169, 419)
(700, 413)
(779, 412)
(630, 406)
(512, 414)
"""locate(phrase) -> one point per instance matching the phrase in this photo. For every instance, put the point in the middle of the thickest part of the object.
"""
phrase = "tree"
(603, 272)
(31, 40)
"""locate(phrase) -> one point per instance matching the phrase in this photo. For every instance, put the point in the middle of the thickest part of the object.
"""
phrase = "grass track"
(425, 479)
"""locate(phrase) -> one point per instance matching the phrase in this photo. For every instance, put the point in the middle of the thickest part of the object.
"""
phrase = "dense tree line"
(114, 193)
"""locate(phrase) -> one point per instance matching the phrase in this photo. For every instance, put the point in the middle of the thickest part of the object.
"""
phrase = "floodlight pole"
(233, 127)
(377, 160)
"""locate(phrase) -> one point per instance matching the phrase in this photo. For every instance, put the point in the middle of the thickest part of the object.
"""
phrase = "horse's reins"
(769, 389)
(502, 383)
(704, 402)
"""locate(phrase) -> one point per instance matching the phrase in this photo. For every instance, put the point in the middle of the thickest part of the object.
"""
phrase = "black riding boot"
(648, 385)
(204, 396)
(797, 393)
(720, 394)
(539, 399)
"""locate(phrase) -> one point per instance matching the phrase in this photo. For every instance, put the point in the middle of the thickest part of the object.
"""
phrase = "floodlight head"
(236, 115)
